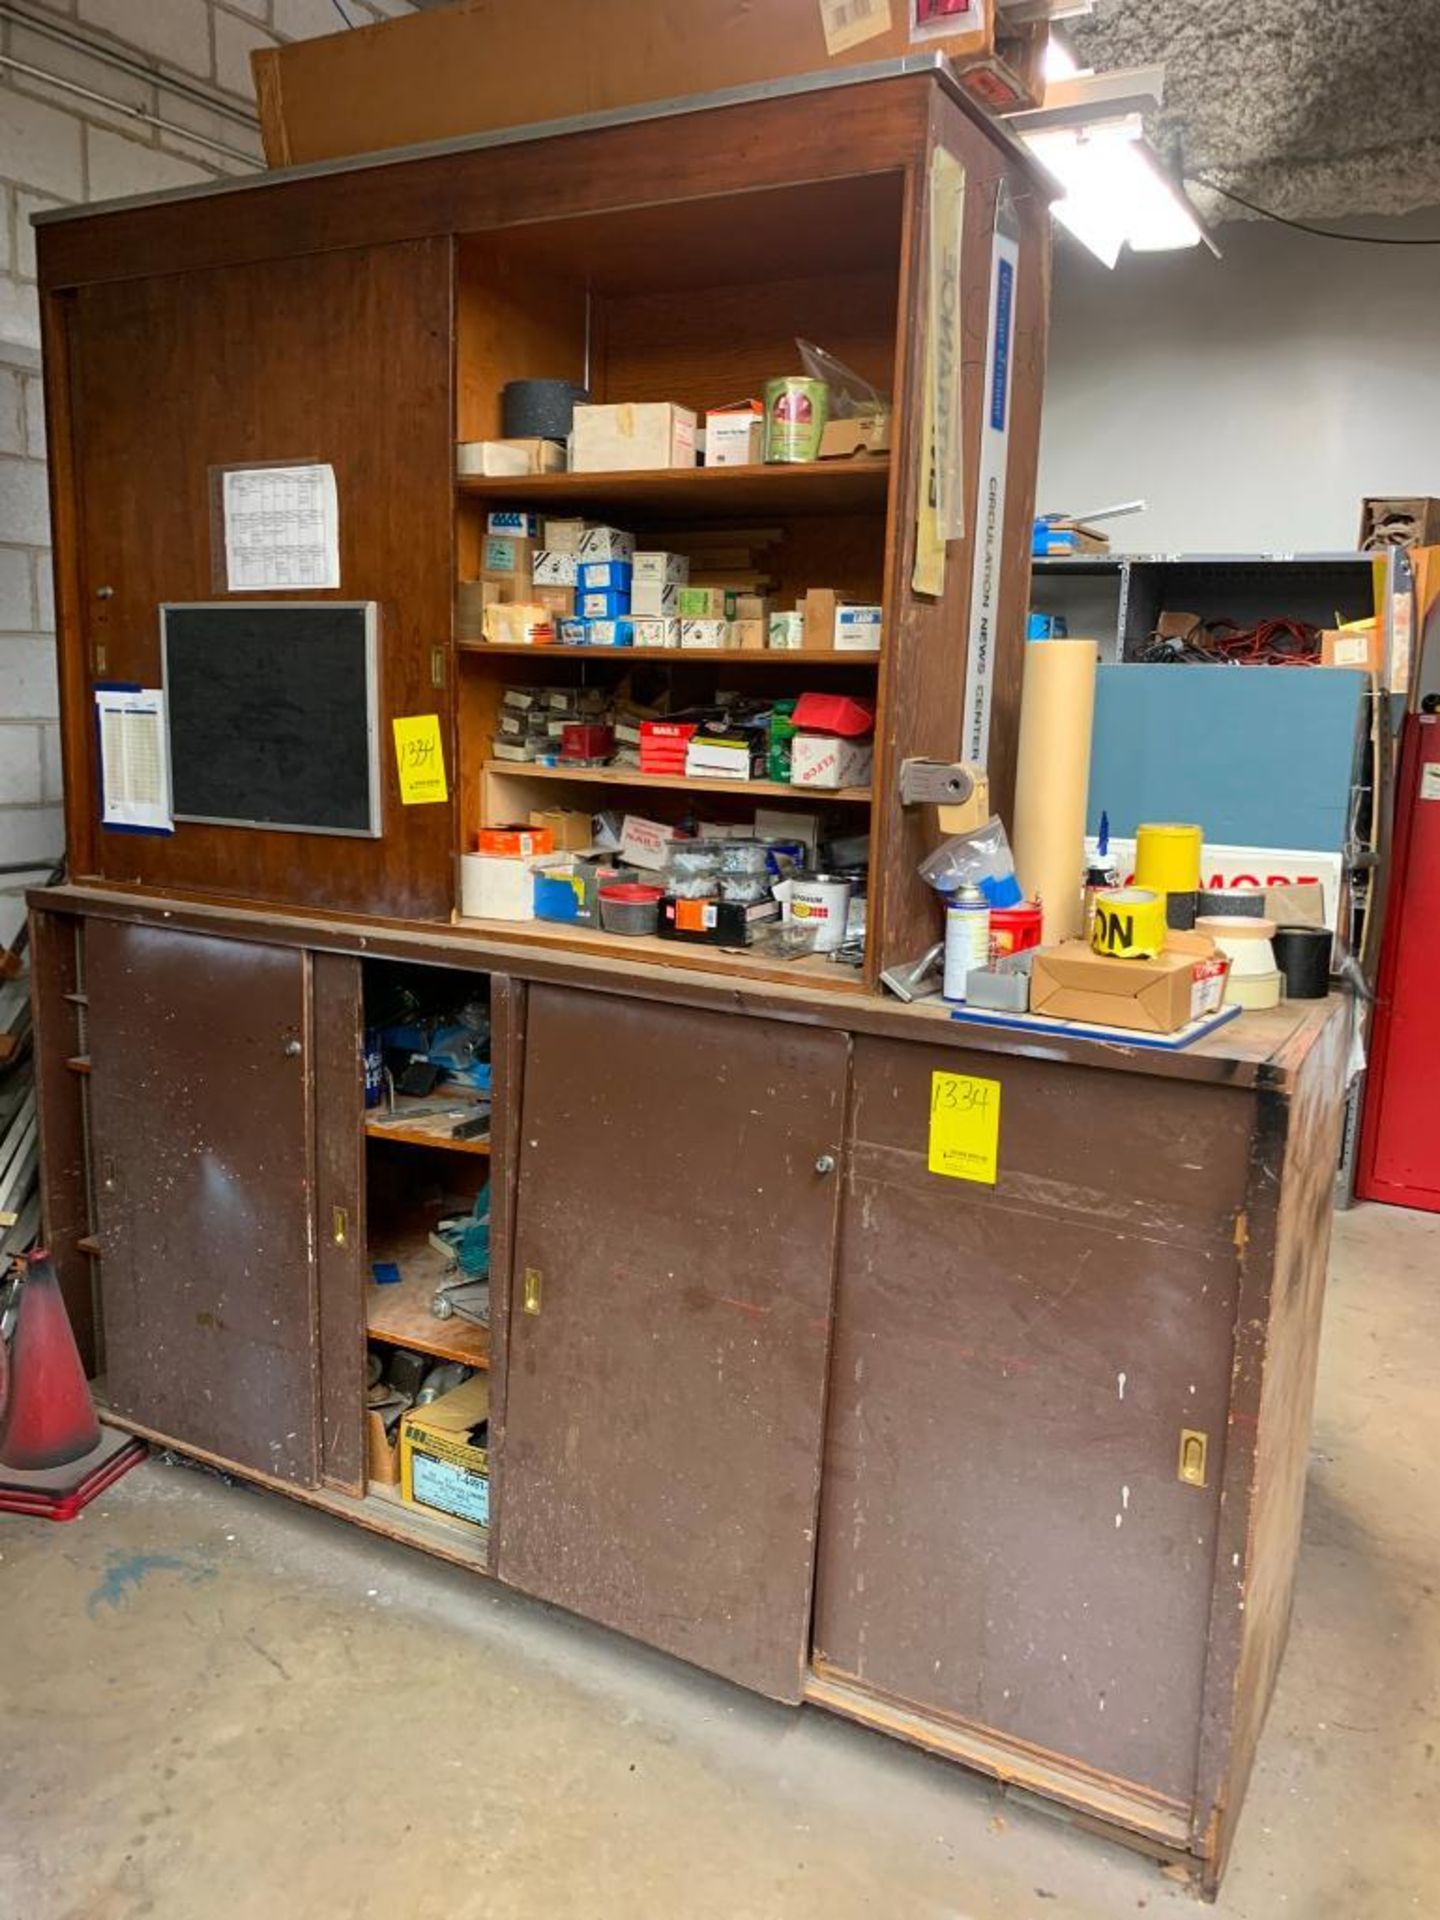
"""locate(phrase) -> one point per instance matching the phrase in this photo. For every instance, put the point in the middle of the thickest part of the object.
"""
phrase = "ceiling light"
(1115, 190)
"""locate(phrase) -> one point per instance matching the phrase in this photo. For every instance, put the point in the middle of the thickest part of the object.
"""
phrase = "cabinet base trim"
(1122, 1811)
(376, 1512)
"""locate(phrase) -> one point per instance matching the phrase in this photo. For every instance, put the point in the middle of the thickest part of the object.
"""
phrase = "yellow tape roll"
(1167, 858)
(1129, 923)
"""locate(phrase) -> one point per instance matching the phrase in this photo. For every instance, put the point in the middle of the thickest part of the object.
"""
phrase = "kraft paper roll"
(1052, 779)
(1129, 923)
(1167, 858)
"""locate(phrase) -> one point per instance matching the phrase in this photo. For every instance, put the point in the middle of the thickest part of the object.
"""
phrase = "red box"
(663, 744)
(585, 740)
(515, 842)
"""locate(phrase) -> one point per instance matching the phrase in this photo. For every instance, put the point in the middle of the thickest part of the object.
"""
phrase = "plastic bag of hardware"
(979, 859)
(786, 940)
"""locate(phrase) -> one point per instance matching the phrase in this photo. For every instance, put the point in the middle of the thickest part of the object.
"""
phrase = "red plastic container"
(1014, 929)
(587, 740)
(628, 906)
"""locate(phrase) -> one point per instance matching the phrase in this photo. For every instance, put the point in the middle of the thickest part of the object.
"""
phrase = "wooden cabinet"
(669, 1325)
(200, 1110)
(1005, 1537)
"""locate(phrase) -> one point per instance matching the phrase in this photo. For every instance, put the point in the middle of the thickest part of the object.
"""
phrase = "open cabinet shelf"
(678, 782)
(792, 657)
(698, 493)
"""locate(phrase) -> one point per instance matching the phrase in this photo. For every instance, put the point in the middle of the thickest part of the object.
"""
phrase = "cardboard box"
(514, 842)
(1186, 981)
(705, 634)
(495, 887)
(634, 437)
(655, 630)
(444, 1453)
(715, 923)
(570, 832)
(559, 600)
(508, 459)
(645, 843)
(610, 630)
(827, 760)
(515, 522)
(703, 603)
(469, 68)
(598, 576)
(857, 629)
(748, 606)
(818, 608)
(862, 433)
(661, 569)
(738, 756)
(550, 568)
(787, 632)
(655, 600)
(607, 543)
(750, 636)
(1360, 645)
(563, 536)
(735, 436)
(521, 624)
(1390, 521)
(606, 603)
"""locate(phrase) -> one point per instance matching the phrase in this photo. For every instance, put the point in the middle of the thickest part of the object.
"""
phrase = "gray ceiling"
(1315, 108)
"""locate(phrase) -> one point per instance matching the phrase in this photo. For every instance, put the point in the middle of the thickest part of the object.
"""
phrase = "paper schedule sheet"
(282, 528)
(134, 759)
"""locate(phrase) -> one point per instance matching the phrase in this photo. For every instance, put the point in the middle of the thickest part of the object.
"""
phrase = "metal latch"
(1194, 1447)
(531, 1294)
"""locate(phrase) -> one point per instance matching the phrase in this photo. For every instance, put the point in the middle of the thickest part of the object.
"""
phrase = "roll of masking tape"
(1167, 858)
(1129, 923)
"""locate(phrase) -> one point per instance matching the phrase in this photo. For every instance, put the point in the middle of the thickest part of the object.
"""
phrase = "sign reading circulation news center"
(990, 492)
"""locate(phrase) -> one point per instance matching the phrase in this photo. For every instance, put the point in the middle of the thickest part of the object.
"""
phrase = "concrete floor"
(214, 1702)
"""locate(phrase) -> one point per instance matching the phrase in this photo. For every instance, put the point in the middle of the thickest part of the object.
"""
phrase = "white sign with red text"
(1246, 867)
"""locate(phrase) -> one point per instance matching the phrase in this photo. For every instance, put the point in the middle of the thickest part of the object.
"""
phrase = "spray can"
(967, 939)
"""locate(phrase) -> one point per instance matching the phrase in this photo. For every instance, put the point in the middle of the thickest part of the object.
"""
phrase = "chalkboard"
(272, 714)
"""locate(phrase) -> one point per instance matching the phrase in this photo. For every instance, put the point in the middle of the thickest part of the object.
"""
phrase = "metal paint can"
(796, 410)
(967, 940)
(818, 900)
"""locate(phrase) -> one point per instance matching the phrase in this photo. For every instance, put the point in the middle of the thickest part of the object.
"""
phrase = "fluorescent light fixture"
(1060, 61)
(1116, 193)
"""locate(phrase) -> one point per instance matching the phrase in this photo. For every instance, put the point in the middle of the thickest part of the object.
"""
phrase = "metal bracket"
(936, 783)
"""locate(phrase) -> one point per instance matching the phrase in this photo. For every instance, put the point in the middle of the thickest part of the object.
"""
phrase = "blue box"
(619, 632)
(514, 520)
(603, 603)
(597, 576)
(573, 633)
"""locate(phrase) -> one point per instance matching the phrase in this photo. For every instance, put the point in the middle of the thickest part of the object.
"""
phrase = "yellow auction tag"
(964, 1126)
(420, 758)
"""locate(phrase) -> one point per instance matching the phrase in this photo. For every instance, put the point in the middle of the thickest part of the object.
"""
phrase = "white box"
(645, 843)
(787, 632)
(551, 569)
(607, 543)
(563, 536)
(719, 759)
(668, 569)
(508, 459)
(827, 760)
(857, 629)
(705, 633)
(655, 599)
(633, 437)
(655, 632)
(496, 887)
(734, 437)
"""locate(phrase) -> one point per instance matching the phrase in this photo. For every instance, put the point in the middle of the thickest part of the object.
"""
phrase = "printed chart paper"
(134, 759)
(282, 528)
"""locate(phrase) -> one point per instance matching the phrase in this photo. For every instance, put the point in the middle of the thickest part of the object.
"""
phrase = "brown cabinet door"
(342, 358)
(201, 1149)
(1005, 1540)
(669, 1325)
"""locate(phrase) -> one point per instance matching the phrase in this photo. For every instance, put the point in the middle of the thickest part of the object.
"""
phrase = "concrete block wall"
(188, 67)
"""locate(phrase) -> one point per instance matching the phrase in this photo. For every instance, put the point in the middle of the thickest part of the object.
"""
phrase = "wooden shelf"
(421, 1129)
(650, 951)
(400, 1313)
(778, 657)
(688, 493)
(428, 1527)
(678, 782)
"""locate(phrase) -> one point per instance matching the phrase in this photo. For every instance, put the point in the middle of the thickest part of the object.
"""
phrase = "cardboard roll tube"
(1129, 923)
(1052, 779)
(1167, 857)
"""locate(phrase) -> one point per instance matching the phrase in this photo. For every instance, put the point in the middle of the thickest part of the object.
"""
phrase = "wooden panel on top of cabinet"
(340, 358)
(1005, 1541)
(669, 1325)
(199, 1109)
